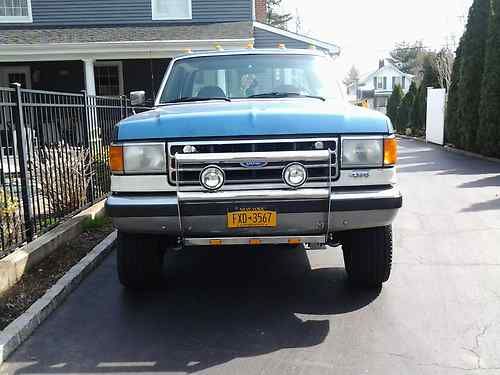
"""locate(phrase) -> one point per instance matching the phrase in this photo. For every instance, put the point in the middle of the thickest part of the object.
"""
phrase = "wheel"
(140, 260)
(368, 255)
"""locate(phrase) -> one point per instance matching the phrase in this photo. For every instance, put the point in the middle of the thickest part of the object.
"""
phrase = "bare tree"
(298, 22)
(275, 17)
(444, 66)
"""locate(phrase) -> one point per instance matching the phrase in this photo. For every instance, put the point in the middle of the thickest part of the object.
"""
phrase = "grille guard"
(187, 195)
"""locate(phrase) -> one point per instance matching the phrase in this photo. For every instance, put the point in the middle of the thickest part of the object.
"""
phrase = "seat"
(211, 92)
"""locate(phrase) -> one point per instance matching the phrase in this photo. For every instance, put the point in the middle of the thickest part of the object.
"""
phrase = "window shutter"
(374, 83)
(403, 82)
(393, 82)
(385, 83)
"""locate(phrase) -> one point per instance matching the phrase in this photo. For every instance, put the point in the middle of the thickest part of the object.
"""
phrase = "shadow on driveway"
(215, 307)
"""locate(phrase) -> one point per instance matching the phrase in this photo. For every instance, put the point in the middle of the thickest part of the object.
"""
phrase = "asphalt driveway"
(228, 312)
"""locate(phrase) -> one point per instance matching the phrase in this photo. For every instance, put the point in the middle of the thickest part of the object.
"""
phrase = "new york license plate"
(251, 219)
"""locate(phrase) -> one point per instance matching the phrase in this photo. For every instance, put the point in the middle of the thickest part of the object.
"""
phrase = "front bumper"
(303, 212)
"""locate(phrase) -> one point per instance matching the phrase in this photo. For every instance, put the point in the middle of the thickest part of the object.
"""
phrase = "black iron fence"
(53, 158)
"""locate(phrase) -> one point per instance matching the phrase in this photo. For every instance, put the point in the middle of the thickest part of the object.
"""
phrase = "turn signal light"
(255, 242)
(390, 151)
(116, 159)
(215, 242)
(294, 241)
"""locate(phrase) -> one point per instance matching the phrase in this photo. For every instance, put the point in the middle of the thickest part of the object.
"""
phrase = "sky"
(366, 30)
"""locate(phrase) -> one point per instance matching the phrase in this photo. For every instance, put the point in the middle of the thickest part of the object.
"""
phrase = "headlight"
(362, 152)
(295, 175)
(212, 178)
(140, 158)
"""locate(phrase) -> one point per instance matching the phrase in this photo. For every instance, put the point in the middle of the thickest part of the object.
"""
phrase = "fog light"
(212, 178)
(295, 175)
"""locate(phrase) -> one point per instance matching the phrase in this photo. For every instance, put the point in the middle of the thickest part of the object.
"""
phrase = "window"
(108, 78)
(243, 76)
(380, 84)
(171, 9)
(396, 81)
(381, 101)
(403, 82)
(385, 83)
(15, 11)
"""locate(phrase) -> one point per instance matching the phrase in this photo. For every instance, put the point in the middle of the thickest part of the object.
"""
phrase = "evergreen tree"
(352, 76)
(408, 56)
(394, 104)
(430, 79)
(469, 89)
(451, 119)
(405, 109)
(488, 133)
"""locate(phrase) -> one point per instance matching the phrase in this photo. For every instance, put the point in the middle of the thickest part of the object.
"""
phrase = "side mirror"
(137, 98)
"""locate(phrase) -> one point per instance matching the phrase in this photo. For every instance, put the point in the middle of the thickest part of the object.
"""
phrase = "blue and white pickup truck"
(253, 147)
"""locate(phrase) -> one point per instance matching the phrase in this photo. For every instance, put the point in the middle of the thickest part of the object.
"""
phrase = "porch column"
(89, 76)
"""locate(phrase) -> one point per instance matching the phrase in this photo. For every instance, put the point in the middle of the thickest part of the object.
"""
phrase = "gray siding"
(267, 39)
(124, 12)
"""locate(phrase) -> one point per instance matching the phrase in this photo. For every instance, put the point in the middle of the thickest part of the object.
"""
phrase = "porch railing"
(53, 158)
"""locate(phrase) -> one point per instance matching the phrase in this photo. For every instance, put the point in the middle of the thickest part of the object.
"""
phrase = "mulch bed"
(41, 278)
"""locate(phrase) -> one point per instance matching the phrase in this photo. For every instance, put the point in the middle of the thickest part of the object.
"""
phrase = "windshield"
(251, 76)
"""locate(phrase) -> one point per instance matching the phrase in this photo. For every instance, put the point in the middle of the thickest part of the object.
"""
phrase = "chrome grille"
(250, 150)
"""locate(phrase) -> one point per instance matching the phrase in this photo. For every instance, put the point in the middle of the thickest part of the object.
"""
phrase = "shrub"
(62, 174)
(405, 109)
(451, 120)
(393, 106)
(472, 61)
(488, 133)
(10, 220)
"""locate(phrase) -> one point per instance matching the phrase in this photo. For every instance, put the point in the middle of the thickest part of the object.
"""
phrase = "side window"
(171, 9)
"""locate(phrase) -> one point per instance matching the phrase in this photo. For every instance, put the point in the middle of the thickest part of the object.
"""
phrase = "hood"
(269, 117)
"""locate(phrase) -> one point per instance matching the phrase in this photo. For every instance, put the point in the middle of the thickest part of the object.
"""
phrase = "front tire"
(368, 255)
(140, 260)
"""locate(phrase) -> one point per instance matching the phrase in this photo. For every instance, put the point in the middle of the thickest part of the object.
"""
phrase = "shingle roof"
(213, 31)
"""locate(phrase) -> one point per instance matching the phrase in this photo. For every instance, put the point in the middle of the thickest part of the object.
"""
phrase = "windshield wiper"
(188, 99)
(277, 94)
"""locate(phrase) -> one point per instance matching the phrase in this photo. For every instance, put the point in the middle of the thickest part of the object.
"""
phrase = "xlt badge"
(360, 174)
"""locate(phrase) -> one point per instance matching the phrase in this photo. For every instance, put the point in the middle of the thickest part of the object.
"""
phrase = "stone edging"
(14, 265)
(21, 328)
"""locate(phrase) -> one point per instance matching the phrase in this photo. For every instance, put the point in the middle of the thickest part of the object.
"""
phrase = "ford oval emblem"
(254, 164)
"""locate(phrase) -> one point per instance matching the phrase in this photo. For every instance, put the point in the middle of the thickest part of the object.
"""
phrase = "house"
(376, 87)
(112, 47)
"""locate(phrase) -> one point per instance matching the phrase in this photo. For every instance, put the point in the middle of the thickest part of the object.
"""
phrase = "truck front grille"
(238, 174)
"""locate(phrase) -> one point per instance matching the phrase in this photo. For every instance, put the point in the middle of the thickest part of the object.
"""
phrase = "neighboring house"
(376, 87)
(113, 47)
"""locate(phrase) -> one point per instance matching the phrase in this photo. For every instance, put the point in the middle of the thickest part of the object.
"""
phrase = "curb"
(411, 138)
(14, 265)
(471, 154)
(453, 149)
(21, 328)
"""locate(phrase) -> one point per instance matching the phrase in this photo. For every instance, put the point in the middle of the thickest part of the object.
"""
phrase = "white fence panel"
(436, 102)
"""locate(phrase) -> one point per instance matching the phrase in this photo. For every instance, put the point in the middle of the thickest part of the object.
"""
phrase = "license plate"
(251, 219)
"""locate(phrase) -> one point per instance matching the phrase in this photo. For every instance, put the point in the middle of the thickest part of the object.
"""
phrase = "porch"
(98, 77)
(107, 61)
